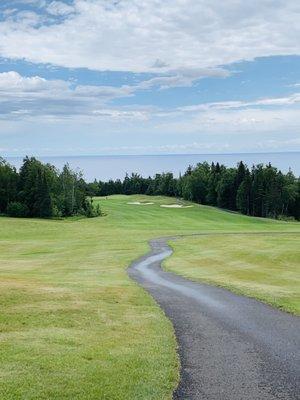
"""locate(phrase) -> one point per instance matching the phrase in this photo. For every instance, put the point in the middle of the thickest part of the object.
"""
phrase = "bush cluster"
(40, 190)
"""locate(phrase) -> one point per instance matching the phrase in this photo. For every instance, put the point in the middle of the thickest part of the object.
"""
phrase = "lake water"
(112, 167)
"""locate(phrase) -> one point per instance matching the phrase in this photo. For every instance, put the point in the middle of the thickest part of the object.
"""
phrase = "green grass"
(264, 266)
(72, 324)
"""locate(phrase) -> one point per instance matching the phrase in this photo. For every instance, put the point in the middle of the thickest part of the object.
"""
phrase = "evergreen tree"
(44, 202)
(215, 175)
(258, 191)
(243, 198)
(8, 184)
(226, 190)
(39, 190)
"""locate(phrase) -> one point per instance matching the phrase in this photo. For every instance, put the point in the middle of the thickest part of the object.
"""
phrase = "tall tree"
(243, 197)
(8, 184)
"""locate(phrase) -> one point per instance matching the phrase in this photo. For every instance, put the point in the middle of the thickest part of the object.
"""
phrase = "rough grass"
(72, 324)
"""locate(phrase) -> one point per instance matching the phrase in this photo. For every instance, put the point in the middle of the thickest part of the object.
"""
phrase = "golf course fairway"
(73, 325)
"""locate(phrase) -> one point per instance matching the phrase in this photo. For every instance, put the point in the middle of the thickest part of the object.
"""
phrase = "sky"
(92, 77)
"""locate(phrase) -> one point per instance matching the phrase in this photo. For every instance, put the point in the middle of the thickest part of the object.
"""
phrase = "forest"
(262, 191)
(41, 190)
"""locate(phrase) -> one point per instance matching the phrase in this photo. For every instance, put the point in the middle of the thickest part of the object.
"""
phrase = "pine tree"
(44, 205)
(258, 191)
(243, 197)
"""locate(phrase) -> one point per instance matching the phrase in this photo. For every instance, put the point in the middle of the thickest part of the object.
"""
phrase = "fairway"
(74, 326)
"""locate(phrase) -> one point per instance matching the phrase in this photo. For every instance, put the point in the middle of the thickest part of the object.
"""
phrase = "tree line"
(262, 191)
(40, 190)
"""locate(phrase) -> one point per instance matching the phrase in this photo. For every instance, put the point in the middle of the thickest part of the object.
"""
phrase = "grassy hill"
(74, 326)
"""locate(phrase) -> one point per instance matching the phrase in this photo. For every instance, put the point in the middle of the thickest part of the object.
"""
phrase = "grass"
(265, 266)
(72, 324)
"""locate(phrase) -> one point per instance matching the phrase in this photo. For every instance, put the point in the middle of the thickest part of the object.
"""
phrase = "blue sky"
(149, 77)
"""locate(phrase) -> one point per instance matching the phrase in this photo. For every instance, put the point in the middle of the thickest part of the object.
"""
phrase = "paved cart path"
(231, 347)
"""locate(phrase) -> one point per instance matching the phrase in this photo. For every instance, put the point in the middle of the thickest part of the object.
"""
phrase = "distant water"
(113, 167)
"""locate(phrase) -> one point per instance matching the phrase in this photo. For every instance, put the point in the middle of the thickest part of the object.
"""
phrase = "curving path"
(231, 347)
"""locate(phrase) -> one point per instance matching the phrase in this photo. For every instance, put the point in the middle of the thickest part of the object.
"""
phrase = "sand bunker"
(138, 203)
(175, 206)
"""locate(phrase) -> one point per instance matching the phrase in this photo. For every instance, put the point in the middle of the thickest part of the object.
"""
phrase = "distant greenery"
(40, 190)
(263, 191)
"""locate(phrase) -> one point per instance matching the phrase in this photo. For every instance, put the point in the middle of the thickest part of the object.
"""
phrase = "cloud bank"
(176, 43)
(37, 99)
(151, 35)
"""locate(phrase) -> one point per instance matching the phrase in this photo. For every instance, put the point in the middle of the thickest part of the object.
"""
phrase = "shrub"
(282, 217)
(90, 210)
(17, 209)
(56, 212)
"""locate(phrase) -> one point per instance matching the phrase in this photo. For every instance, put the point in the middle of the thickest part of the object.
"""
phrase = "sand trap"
(138, 203)
(175, 206)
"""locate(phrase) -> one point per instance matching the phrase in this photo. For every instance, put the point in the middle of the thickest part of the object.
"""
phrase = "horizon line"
(152, 155)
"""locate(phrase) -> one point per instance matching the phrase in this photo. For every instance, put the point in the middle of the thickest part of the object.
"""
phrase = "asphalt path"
(231, 347)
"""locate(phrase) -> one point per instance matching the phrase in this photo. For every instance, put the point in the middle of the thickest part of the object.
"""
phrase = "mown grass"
(264, 266)
(72, 324)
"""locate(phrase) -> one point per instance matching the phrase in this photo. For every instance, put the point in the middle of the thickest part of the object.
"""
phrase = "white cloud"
(227, 105)
(33, 97)
(278, 144)
(57, 97)
(22, 96)
(235, 122)
(29, 106)
(12, 83)
(151, 35)
(114, 114)
(59, 8)
(183, 77)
